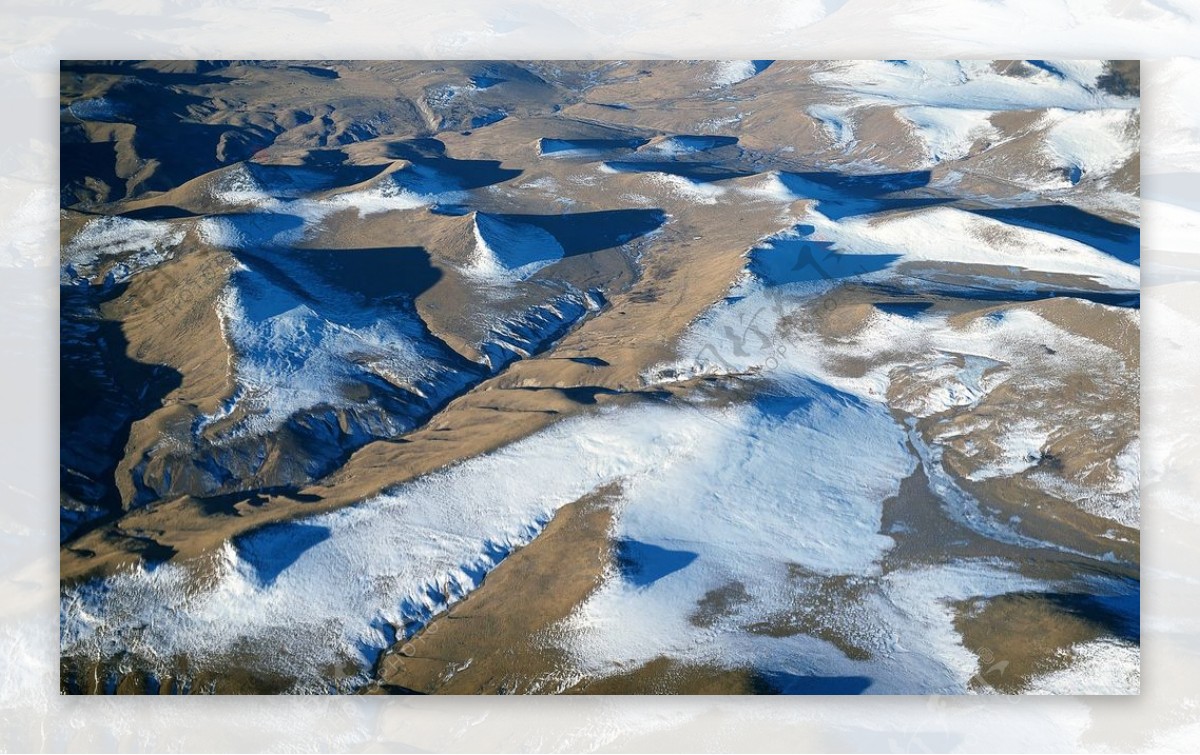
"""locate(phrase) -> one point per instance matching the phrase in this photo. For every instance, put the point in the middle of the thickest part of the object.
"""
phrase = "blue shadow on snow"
(642, 564)
(1115, 239)
(271, 550)
(783, 683)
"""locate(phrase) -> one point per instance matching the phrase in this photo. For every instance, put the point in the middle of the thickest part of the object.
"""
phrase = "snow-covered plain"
(954, 367)
(397, 559)
(709, 496)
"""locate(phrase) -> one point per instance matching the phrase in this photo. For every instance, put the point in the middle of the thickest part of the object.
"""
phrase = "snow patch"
(97, 109)
(1099, 667)
(946, 234)
(949, 133)
(508, 251)
(388, 196)
(533, 330)
(680, 145)
(729, 72)
(1021, 443)
(693, 191)
(963, 84)
(836, 122)
(128, 245)
(296, 352)
(1090, 144)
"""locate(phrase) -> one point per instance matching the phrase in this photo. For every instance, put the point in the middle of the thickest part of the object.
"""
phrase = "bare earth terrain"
(679, 377)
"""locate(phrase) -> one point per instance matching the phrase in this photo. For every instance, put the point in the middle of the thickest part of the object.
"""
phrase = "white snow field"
(710, 496)
(508, 251)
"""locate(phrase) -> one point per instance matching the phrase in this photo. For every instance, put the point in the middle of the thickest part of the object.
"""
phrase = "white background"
(35, 35)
